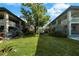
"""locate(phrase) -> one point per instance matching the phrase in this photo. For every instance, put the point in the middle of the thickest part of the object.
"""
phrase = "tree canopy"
(36, 14)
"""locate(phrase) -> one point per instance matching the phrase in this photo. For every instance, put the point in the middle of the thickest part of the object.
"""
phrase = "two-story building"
(8, 21)
(68, 21)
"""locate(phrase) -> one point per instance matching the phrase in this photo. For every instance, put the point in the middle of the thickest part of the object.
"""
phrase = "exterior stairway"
(74, 36)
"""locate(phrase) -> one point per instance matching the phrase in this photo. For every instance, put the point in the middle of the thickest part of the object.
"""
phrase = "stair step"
(74, 37)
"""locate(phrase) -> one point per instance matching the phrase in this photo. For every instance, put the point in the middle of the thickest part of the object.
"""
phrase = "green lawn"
(41, 45)
(55, 46)
(23, 46)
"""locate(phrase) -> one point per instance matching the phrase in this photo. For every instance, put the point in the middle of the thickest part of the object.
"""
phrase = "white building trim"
(69, 22)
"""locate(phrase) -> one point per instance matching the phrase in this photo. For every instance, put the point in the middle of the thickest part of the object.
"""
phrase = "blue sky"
(16, 7)
(54, 9)
(13, 7)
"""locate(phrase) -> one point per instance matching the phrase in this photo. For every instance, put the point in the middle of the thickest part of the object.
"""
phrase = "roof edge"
(7, 10)
(70, 7)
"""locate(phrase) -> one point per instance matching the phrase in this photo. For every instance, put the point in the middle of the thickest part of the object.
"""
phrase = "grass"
(23, 46)
(56, 46)
(42, 45)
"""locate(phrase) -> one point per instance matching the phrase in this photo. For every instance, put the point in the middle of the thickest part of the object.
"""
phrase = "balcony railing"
(75, 20)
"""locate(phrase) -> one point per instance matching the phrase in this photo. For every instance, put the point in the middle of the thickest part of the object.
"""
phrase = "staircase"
(74, 36)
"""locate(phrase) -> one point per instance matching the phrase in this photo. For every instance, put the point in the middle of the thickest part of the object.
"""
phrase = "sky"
(53, 9)
(13, 7)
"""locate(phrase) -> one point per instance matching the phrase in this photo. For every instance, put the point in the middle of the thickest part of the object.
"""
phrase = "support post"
(69, 22)
(20, 25)
(6, 24)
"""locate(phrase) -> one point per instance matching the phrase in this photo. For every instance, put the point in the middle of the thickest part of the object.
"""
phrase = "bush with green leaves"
(58, 32)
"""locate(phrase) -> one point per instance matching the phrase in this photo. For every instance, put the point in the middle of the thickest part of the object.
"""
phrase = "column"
(20, 25)
(6, 24)
(69, 22)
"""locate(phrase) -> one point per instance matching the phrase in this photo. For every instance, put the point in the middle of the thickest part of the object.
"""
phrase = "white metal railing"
(10, 23)
(75, 20)
(1, 22)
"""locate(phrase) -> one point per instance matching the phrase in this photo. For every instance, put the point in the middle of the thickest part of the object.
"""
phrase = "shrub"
(58, 32)
(26, 31)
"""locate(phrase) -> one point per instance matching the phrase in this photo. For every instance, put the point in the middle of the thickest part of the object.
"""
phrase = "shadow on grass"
(29, 35)
(55, 46)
